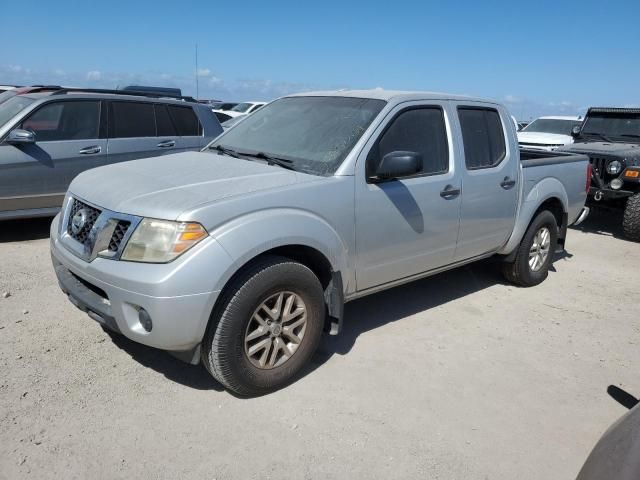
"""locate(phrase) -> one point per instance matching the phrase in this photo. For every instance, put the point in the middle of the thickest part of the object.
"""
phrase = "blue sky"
(539, 57)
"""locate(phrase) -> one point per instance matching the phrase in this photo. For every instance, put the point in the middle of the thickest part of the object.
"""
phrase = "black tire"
(518, 271)
(631, 219)
(223, 348)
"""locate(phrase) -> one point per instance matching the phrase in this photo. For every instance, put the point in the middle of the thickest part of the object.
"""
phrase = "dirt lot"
(456, 376)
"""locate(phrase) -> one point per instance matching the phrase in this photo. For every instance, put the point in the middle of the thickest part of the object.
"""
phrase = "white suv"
(548, 133)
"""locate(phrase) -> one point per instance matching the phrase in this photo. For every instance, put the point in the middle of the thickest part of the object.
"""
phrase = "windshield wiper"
(632, 135)
(226, 151)
(270, 159)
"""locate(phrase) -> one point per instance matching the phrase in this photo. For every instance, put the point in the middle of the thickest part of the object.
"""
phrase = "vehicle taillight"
(589, 173)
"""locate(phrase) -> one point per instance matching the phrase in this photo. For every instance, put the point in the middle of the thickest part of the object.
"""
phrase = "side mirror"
(398, 164)
(19, 136)
(575, 131)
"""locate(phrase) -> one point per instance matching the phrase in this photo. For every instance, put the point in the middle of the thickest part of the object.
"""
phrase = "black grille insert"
(118, 235)
(89, 218)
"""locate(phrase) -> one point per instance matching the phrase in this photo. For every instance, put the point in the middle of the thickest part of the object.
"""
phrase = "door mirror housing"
(398, 164)
(575, 131)
(20, 136)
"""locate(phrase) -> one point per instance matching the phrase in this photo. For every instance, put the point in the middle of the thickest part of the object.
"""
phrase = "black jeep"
(611, 139)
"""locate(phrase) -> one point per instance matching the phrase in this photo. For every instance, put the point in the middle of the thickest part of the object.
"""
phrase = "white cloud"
(203, 72)
(94, 75)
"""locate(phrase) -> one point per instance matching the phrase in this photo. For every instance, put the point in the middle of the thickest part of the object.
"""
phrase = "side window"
(164, 126)
(132, 119)
(77, 120)
(483, 137)
(420, 130)
(256, 107)
(185, 121)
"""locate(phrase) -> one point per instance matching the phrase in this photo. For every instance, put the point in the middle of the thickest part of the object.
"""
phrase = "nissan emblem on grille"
(78, 221)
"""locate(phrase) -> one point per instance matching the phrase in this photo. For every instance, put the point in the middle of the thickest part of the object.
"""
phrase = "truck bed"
(537, 158)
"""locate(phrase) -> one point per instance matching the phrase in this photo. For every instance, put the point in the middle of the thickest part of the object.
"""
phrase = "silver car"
(49, 135)
(241, 255)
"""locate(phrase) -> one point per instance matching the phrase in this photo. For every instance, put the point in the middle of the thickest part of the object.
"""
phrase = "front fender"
(248, 236)
(542, 191)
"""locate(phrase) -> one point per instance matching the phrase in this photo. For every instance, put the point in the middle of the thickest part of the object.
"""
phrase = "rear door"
(408, 225)
(188, 127)
(69, 140)
(489, 179)
(133, 133)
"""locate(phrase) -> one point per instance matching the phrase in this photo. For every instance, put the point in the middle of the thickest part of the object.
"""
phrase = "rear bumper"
(114, 292)
(583, 215)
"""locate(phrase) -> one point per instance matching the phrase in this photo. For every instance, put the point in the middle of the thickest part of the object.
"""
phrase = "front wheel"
(631, 219)
(535, 252)
(268, 326)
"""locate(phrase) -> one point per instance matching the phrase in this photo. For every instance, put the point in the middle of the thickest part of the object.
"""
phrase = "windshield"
(242, 107)
(13, 106)
(315, 133)
(552, 125)
(614, 125)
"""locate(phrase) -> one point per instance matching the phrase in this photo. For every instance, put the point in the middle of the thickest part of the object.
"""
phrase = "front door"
(409, 225)
(68, 142)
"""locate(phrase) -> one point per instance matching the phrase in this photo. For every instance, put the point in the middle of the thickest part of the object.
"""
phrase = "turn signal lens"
(632, 173)
(160, 241)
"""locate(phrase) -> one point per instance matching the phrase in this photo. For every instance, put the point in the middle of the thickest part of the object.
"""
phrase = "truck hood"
(544, 138)
(606, 148)
(164, 187)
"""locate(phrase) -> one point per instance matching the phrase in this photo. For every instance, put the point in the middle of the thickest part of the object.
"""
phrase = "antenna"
(197, 75)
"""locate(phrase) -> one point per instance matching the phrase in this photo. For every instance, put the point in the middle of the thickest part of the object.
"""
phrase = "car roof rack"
(134, 93)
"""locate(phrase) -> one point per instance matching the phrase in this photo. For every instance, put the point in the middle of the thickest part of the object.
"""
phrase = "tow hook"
(598, 196)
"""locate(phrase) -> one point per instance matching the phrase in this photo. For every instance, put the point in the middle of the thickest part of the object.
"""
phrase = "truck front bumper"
(123, 296)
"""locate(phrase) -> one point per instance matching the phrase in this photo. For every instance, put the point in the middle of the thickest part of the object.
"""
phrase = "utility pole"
(197, 75)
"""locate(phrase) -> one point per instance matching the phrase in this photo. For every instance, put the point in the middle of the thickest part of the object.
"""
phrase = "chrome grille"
(118, 235)
(92, 214)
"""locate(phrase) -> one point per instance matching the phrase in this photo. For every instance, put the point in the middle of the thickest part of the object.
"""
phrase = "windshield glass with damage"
(313, 134)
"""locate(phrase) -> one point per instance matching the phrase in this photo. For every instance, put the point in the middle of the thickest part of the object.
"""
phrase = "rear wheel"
(269, 325)
(535, 252)
(631, 219)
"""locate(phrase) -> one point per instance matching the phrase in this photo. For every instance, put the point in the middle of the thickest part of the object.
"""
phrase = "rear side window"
(185, 120)
(483, 137)
(132, 119)
(77, 120)
(420, 130)
(164, 124)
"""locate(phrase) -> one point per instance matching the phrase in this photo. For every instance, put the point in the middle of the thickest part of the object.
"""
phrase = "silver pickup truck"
(240, 256)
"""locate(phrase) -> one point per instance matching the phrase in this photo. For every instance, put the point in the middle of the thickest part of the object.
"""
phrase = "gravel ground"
(456, 376)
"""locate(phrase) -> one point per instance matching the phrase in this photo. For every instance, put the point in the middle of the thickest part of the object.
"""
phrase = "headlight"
(614, 167)
(160, 241)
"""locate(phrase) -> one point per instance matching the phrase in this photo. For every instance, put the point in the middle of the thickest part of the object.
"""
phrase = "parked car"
(223, 106)
(522, 124)
(49, 135)
(615, 456)
(4, 88)
(222, 116)
(240, 255)
(232, 121)
(244, 108)
(548, 133)
(611, 139)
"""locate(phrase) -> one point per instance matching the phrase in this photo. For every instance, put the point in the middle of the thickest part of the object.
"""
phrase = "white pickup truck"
(548, 133)
(240, 255)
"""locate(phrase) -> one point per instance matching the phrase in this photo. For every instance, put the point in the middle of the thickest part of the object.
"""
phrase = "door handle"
(450, 192)
(507, 183)
(90, 150)
(167, 144)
